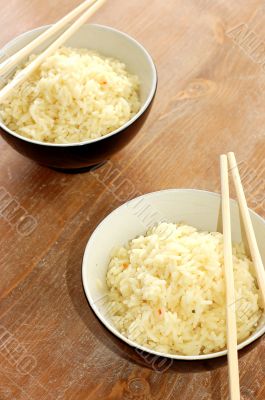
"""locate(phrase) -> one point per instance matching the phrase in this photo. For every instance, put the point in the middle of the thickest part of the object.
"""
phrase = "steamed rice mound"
(75, 95)
(167, 291)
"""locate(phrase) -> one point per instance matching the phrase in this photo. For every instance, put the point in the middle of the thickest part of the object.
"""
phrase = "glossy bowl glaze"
(109, 42)
(194, 207)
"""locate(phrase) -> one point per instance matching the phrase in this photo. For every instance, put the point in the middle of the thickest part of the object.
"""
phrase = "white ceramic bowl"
(194, 207)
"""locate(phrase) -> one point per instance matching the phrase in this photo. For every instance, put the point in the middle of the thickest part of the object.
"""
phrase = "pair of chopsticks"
(228, 264)
(89, 7)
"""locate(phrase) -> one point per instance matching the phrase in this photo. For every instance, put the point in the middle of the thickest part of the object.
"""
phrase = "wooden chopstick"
(231, 327)
(26, 72)
(251, 238)
(8, 64)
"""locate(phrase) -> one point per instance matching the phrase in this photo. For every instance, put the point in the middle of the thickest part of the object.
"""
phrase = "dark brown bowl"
(70, 156)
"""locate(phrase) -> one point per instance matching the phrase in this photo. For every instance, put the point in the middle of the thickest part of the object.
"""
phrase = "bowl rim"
(142, 110)
(256, 335)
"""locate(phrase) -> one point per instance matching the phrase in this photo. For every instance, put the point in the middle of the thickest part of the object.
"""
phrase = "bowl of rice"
(84, 103)
(153, 274)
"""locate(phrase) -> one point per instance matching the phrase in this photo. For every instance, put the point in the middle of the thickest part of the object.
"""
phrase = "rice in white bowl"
(167, 292)
(75, 95)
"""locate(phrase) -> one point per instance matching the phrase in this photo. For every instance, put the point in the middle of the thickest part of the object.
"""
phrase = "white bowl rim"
(123, 127)
(245, 343)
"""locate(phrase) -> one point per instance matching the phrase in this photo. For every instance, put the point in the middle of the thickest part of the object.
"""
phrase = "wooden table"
(211, 99)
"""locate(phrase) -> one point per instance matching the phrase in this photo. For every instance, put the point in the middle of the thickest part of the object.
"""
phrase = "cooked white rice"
(75, 95)
(168, 293)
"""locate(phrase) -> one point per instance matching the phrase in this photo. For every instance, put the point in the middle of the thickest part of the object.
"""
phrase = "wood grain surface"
(211, 99)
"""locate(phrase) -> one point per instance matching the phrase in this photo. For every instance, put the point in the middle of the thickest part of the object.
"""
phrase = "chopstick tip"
(231, 154)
